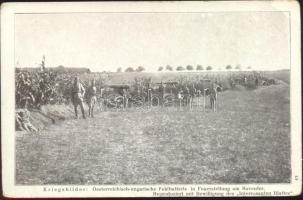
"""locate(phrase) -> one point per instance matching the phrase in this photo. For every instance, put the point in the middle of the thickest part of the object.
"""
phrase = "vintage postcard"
(151, 99)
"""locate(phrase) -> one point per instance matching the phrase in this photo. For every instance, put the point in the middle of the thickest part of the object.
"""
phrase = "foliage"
(140, 69)
(129, 69)
(189, 67)
(238, 67)
(169, 68)
(180, 68)
(209, 68)
(228, 67)
(199, 68)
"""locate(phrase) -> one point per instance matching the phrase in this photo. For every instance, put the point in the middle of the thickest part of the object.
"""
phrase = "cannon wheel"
(168, 100)
(114, 101)
(137, 101)
(155, 101)
(119, 102)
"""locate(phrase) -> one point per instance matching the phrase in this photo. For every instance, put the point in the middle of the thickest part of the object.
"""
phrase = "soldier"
(24, 120)
(18, 120)
(92, 98)
(245, 81)
(125, 97)
(180, 97)
(256, 81)
(213, 96)
(78, 92)
(161, 91)
(194, 90)
(187, 95)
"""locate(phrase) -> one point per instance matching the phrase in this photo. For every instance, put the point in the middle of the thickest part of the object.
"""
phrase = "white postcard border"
(7, 87)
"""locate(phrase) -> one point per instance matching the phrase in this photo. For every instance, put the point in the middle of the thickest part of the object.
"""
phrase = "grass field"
(246, 141)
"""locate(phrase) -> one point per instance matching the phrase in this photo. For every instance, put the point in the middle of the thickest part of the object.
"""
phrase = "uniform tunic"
(78, 93)
(92, 98)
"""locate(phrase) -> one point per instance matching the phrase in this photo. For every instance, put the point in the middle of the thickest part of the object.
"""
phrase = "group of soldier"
(77, 96)
(26, 95)
(182, 93)
(251, 80)
(188, 93)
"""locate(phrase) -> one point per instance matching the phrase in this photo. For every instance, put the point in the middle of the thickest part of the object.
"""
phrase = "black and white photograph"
(154, 94)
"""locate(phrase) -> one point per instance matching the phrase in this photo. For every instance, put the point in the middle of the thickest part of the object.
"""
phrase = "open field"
(246, 141)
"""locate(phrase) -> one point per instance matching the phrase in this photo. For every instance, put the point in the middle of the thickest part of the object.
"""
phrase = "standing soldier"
(187, 95)
(78, 92)
(213, 96)
(92, 98)
(161, 92)
(180, 97)
(256, 81)
(125, 97)
(245, 81)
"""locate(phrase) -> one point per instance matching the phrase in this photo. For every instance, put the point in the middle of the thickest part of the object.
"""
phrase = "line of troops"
(77, 97)
(78, 93)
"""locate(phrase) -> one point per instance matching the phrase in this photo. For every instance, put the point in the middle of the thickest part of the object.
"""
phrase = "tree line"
(180, 68)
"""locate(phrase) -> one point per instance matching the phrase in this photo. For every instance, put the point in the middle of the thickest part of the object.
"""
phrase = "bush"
(140, 69)
(129, 69)
(180, 68)
(228, 67)
(209, 68)
(199, 68)
(169, 68)
(189, 67)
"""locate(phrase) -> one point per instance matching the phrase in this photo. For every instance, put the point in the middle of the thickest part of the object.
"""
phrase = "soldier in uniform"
(213, 96)
(161, 91)
(180, 96)
(187, 95)
(125, 97)
(23, 120)
(78, 92)
(92, 98)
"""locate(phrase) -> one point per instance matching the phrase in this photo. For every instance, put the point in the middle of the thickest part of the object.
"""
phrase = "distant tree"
(209, 68)
(238, 67)
(169, 68)
(199, 68)
(140, 69)
(60, 68)
(228, 67)
(119, 69)
(160, 69)
(129, 69)
(249, 67)
(180, 68)
(189, 67)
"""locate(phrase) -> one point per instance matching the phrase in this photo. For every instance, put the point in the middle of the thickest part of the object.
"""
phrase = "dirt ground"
(246, 141)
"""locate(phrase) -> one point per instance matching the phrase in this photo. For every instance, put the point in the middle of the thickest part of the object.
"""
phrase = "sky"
(107, 41)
